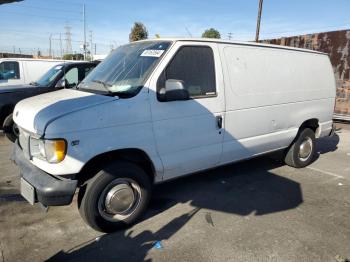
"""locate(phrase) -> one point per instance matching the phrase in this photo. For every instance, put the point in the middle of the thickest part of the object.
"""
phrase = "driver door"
(189, 133)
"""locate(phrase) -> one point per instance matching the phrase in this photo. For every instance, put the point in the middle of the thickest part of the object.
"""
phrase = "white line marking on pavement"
(325, 172)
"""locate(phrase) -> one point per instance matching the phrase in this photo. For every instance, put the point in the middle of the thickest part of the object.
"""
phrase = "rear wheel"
(302, 151)
(10, 128)
(115, 197)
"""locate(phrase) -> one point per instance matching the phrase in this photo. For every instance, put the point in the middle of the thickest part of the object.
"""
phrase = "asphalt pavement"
(256, 210)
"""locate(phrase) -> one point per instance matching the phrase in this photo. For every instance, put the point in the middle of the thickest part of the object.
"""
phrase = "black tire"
(93, 189)
(10, 128)
(293, 155)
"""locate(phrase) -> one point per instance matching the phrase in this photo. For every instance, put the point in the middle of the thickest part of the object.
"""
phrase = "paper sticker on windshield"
(152, 53)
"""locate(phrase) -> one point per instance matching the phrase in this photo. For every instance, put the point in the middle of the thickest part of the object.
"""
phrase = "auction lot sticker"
(152, 53)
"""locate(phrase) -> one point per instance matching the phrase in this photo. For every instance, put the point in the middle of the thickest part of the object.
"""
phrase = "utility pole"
(68, 39)
(61, 46)
(84, 45)
(91, 45)
(95, 48)
(229, 35)
(50, 46)
(258, 21)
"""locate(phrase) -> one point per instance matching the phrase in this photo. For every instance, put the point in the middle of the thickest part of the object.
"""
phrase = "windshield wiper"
(105, 85)
(121, 94)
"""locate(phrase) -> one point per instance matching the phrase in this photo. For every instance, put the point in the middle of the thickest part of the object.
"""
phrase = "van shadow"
(327, 144)
(242, 189)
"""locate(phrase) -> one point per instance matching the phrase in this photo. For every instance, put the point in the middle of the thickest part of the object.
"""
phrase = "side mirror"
(62, 83)
(175, 90)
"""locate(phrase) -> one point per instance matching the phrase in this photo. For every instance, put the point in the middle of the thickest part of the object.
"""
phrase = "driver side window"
(72, 77)
(194, 65)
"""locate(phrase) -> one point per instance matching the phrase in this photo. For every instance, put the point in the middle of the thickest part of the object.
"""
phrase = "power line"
(50, 9)
(39, 16)
(188, 32)
(70, 2)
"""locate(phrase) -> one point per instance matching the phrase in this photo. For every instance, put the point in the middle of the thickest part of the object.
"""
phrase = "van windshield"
(124, 71)
(49, 76)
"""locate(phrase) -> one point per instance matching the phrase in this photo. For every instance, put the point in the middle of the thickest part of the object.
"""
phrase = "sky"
(26, 26)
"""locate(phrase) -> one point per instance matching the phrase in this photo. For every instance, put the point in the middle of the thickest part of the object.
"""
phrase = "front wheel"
(10, 128)
(302, 151)
(115, 197)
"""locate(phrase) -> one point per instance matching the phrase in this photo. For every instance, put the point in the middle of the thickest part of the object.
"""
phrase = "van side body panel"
(269, 94)
(33, 70)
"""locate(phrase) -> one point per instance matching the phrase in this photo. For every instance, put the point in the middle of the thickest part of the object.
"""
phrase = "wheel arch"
(313, 124)
(133, 155)
(5, 111)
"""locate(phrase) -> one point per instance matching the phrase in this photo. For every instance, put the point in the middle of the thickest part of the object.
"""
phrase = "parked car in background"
(18, 71)
(159, 109)
(64, 75)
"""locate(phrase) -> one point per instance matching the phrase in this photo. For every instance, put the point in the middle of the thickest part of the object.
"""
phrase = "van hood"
(16, 88)
(36, 113)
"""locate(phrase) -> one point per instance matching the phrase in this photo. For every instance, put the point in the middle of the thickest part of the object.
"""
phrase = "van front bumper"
(48, 190)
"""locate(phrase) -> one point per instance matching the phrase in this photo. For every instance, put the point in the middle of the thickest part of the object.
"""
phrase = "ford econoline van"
(155, 110)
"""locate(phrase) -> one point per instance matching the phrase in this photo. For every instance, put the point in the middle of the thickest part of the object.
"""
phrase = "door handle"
(219, 121)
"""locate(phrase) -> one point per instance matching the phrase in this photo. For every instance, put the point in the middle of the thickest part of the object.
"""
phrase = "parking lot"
(256, 210)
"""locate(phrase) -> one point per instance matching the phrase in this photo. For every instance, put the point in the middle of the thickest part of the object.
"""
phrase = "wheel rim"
(119, 199)
(305, 149)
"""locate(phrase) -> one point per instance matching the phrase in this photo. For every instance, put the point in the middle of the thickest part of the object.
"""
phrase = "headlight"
(53, 151)
(37, 148)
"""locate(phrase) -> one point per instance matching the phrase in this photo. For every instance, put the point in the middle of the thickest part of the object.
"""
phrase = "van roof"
(242, 43)
(37, 59)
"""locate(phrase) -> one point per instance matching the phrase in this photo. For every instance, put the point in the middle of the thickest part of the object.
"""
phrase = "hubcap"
(119, 199)
(305, 149)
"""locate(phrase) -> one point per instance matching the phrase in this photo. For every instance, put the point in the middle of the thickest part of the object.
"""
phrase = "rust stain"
(337, 45)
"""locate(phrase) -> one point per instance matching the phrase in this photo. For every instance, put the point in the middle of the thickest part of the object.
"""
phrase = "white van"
(19, 71)
(159, 109)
